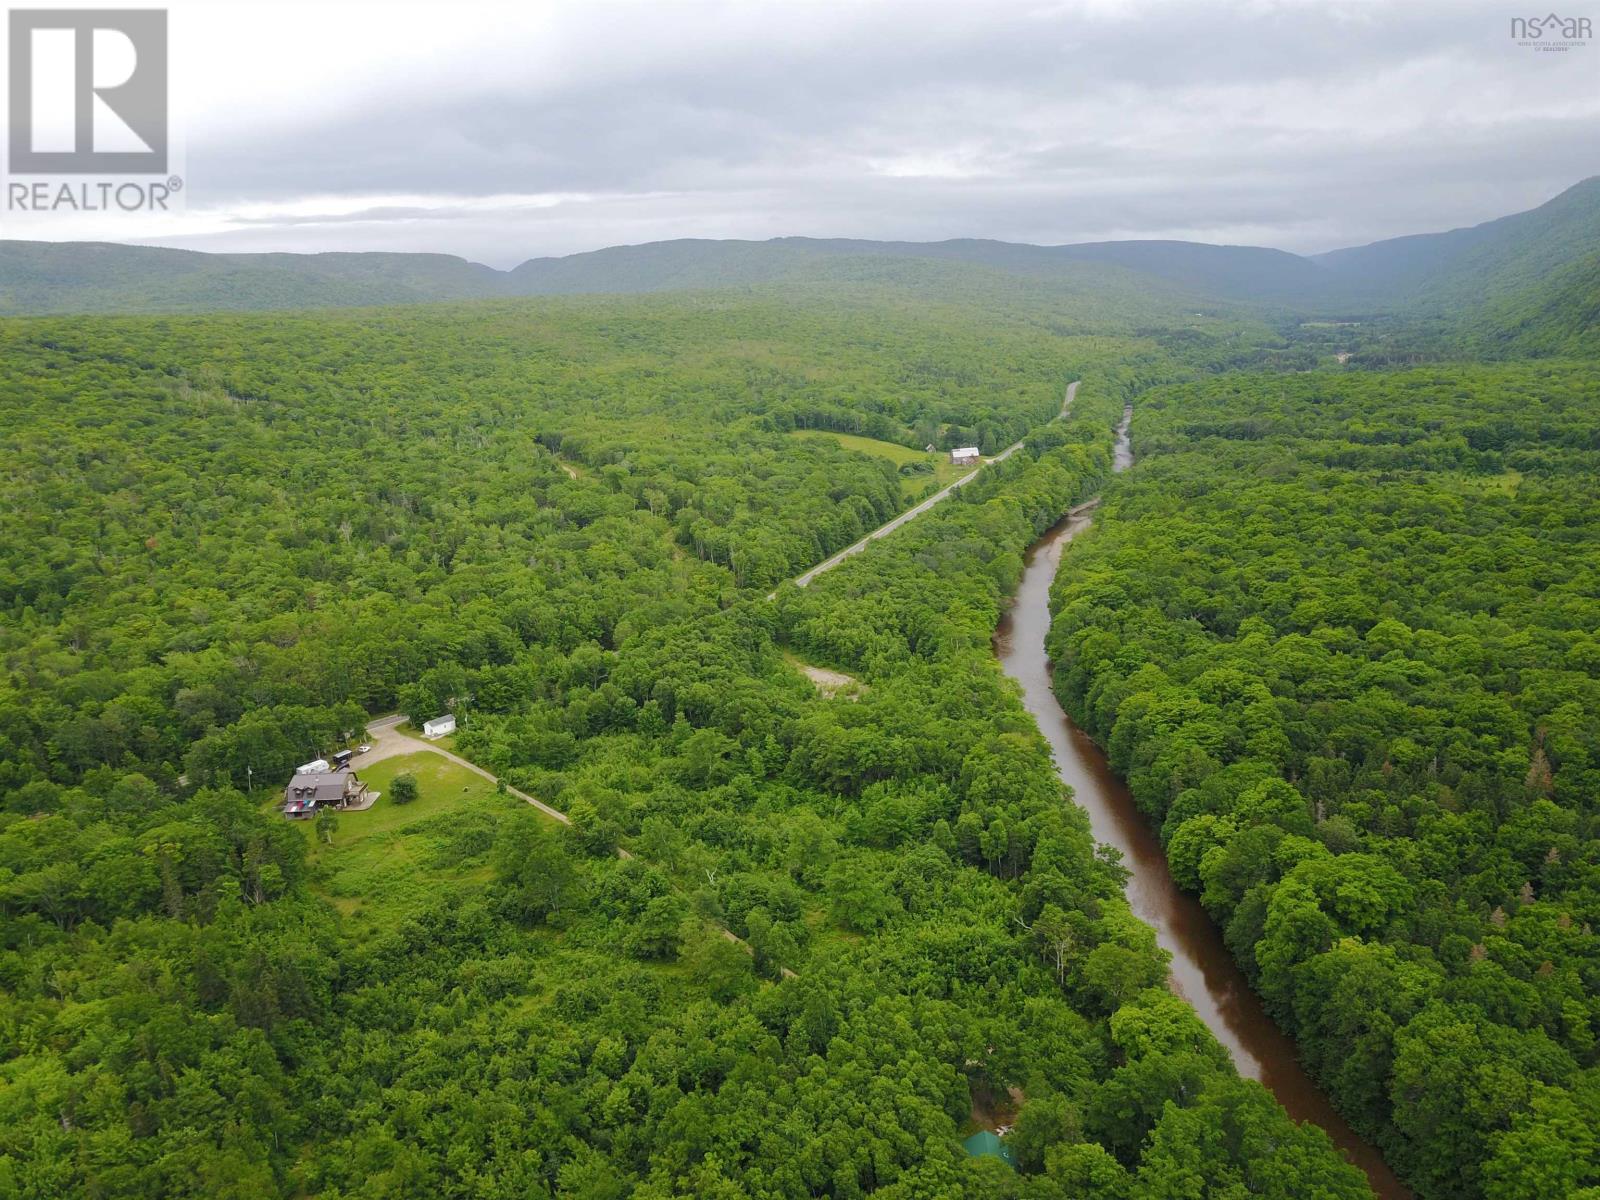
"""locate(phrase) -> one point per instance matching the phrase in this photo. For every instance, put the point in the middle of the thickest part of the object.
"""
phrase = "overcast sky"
(503, 133)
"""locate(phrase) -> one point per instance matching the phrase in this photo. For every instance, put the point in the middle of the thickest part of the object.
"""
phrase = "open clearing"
(1506, 482)
(910, 485)
(388, 860)
(828, 683)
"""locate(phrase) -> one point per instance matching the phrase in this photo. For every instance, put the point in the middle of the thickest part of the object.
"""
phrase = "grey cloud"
(1292, 123)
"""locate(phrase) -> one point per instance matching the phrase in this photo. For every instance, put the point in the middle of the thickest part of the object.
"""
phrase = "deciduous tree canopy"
(236, 538)
(1339, 632)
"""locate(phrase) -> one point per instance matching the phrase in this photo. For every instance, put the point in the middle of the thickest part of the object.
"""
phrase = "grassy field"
(1473, 484)
(384, 862)
(911, 486)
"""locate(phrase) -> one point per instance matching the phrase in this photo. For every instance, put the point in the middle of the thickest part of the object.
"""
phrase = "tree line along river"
(1202, 970)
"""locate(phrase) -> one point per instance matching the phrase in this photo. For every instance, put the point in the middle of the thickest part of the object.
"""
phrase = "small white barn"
(964, 456)
(439, 727)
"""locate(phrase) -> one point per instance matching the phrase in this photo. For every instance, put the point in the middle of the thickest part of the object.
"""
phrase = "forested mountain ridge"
(44, 278)
(1192, 268)
(1558, 316)
(57, 277)
(1435, 272)
(1464, 267)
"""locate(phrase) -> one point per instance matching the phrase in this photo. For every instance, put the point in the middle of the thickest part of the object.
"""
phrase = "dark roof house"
(330, 789)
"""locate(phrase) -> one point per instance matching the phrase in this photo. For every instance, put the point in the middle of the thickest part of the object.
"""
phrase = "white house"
(439, 726)
(964, 456)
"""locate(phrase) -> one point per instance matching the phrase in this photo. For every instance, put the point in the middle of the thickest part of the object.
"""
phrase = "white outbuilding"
(964, 456)
(439, 726)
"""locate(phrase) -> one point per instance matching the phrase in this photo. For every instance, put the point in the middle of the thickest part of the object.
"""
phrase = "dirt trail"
(389, 742)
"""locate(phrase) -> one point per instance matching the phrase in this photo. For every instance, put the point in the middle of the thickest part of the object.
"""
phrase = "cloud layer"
(502, 133)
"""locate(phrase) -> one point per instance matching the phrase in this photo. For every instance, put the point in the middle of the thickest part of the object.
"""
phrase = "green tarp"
(985, 1142)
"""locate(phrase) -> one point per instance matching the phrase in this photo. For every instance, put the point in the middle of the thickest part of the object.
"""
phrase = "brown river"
(1202, 972)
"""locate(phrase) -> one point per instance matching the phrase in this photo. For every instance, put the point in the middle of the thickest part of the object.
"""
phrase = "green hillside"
(1560, 316)
(46, 277)
(1218, 272)
(1427, 273)
(1440, 272)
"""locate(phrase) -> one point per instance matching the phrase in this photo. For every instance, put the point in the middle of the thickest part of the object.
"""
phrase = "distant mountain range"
(1490, 264)
(1222, 272)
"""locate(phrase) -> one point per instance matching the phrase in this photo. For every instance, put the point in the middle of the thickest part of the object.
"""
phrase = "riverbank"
(1202, 970)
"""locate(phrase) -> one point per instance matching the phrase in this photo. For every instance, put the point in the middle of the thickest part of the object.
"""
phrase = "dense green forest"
(230, 539)
(1558, 316)
(1338, 630)
(227, 532)
(820, 907)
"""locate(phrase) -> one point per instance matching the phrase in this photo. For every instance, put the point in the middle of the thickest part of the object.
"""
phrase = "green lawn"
(1475, 483)
(386, 861)
(910, 485)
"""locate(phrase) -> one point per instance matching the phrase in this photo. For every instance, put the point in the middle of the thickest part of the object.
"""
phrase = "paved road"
(912, 513)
